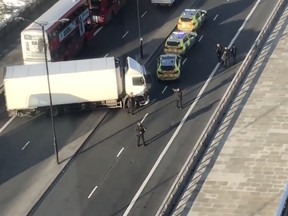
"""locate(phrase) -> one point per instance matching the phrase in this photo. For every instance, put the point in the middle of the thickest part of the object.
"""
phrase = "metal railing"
(25, 11)
(193, 160)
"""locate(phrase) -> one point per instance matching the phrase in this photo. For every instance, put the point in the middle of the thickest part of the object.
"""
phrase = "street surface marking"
(106, 55)
(215, 17)
(159, 159)
(125, 34)
(98, 30)
(244, 23)
(6, 124)
(164, 89)
(92, 191)
(184, 61)
(143, 14)
(25, 145)
(120, 152)
(200, 38)
(144, 117)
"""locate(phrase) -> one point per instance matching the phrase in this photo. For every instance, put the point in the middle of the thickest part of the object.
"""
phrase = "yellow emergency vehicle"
(191, 19)
(168, 67)
(180, 42)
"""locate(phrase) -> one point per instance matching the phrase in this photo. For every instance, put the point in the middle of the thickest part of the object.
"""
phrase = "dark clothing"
(140, 130)
(130, 104)
(226, 58)
(219, 52)
(233, 52)
(178, 94)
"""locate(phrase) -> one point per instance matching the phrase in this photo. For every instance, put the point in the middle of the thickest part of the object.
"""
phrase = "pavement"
(244, 170)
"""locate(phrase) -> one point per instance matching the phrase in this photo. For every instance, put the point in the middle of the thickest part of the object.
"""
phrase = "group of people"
(225, 55)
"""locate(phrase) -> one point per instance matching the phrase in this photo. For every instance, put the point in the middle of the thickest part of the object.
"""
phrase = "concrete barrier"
(195, 156)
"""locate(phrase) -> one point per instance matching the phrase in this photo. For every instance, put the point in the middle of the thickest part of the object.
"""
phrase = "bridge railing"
(199, 149)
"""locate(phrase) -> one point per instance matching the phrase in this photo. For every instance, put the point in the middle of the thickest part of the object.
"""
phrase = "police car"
(191, 19)
(168, 67)
(180, 42)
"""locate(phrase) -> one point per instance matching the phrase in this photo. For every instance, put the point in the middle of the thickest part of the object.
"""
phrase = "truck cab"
(137, 81)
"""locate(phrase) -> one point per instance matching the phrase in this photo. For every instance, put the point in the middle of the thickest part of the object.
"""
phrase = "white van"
(162, 2)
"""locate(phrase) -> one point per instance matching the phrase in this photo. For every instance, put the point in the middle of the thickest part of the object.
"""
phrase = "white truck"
(162, 2)
(79, 84)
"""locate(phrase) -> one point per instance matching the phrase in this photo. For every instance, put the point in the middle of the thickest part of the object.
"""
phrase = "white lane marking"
(106, 55)
(143, 14)
(6, 124)
(215, 17)
(119, 153)
(97, 31)
(92, 191)
(164, 89)
(135, 198)
(144, 117)
(25, 145)
(125, 34)
(200, 38)
(184, 61)
(244, 23)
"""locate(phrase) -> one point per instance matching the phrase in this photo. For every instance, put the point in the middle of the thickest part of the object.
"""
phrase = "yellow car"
(168, 67)
(180, 42)
(191, 19)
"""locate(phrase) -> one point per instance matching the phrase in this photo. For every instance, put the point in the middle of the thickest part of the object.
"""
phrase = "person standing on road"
(140, 130)
(233, 52)
(219, 51)
(130, 103)
(225, 57)
(178, 94)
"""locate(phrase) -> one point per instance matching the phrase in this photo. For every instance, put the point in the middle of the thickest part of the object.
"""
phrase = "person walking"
(140, 130)
(130, 103)
(219, 52)
(178, 94)
(233, 52)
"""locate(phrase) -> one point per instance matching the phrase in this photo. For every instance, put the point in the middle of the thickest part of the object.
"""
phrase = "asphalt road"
(119, 178)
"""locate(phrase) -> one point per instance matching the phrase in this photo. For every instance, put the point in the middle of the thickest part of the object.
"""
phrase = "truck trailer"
(75, 85)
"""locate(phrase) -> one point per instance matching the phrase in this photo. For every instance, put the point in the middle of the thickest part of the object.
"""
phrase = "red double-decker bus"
(63, 39)
(104, 10)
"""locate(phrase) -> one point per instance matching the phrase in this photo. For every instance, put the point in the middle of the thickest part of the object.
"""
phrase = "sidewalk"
(245, 168)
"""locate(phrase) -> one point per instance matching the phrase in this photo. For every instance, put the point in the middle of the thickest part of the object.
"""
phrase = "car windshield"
(185, 19)
(138, 81)
(172, 43)
(167, 67)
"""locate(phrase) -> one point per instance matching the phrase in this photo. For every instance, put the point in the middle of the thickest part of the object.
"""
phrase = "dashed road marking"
(215, 17)
(144, 117)
(106, 55)
(200, 38)
(92, 191)
(6, 124)
(25, 145)
(125, 34)
(119, 153)
(164, 89)
(184, 61)
(143, 14)
(98, 30)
